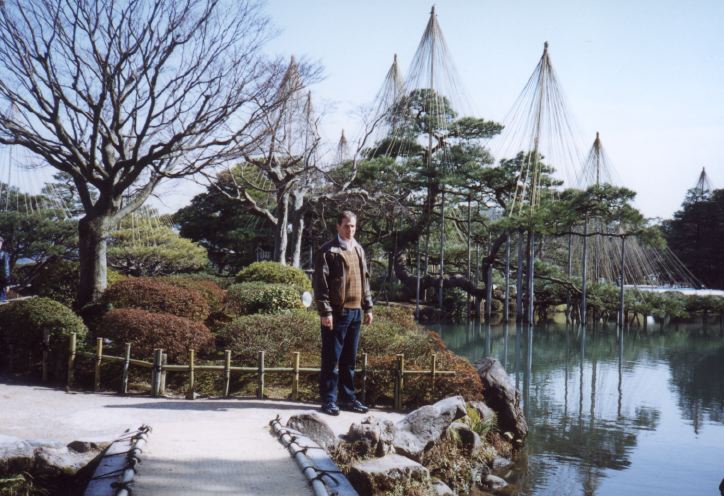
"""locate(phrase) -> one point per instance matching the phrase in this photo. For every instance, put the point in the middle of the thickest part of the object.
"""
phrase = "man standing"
(4, 272)
(342, 293)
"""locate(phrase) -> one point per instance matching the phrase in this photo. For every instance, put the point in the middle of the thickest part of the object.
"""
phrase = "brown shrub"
(147, 331)
(155, 295)
(211, 291)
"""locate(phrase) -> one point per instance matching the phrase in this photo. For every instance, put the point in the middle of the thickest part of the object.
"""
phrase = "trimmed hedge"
(147, 331)
(212, 293)
(154, 295)
(275, 273)
(276, 334)
(22, 323)
(258, 297)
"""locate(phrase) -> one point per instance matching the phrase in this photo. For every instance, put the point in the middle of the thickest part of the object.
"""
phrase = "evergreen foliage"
(259, 297)
(276, 273)
(154, 295)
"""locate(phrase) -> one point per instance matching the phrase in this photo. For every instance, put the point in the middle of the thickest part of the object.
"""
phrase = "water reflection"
(611, 411)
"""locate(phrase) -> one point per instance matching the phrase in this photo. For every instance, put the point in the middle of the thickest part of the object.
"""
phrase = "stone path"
(196, 447)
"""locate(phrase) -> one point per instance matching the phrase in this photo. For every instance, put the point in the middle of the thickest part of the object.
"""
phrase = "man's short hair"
(346, 214)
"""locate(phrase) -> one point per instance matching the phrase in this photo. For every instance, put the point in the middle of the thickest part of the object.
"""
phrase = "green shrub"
(147, 331)
(22, 323)
(211, 291)
(157, 296)
(277, 335)
(58, 279)
(258, 297)
(275, 273)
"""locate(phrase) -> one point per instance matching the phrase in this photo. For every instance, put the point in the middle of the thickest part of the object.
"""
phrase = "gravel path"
(196, 447)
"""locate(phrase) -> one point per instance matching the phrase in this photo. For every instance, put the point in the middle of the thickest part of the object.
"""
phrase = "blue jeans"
(339, 348)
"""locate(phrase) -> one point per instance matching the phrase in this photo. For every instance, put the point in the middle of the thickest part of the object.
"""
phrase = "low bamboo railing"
(159, 368)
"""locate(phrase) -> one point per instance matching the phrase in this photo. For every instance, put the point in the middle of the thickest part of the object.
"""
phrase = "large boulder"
(44, 458)
(372, 437)
(441, 489)
(484, 411)
(315, 428)
(502, 396)
(492, 483)
(376, 475)
(419, 430)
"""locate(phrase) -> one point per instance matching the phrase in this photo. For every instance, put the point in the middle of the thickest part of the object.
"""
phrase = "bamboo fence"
(159, 368)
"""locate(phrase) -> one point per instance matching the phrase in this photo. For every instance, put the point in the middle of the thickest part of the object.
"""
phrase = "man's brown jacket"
(330, 277)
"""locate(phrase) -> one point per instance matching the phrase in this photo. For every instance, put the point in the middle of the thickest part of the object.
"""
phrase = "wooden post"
(126, 366)
(162, 380)
(519, 280)
(295, 377)
(227, 372)
(260, 388)
(621, 308)
(192, 374)
(584, 269)
(71, 360)
(46, 349)
(363, 392)
(99, 359)
(433, 371)
(399, 382)
(156, 373)
(506, 293)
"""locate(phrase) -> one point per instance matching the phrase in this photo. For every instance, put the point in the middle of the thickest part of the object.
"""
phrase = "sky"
(648, 75)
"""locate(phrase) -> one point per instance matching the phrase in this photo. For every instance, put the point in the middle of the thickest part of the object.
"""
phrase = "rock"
(442, 489)
(499, 463)
(469, 439)
(61, 461)
(420, 429)
(479, 472)
(377, 475)
(493, 482)
(43, 458)
(16, 456)
(485, 412)
(86, 446)
(372, 437)
(314, 427)
(502, 397)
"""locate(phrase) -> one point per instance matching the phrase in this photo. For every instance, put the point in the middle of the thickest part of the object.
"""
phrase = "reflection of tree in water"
(577, 433)
(697, 373)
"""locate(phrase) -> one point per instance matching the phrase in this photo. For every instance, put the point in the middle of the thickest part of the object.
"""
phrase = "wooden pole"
(417, 286)
(570, 273)
(192, 374)
(46, 350)
(72, 339)
(488, 291)
(295, 377)
(99, 359)
(584, 268)
(156, 372)
(433, 372)
(227, 372)
(506, 297)
(363, 393)
(399, 382)
(260, 388)
(621, 310)
(126, 366)
(440, 295)
(162, 381)
(519, 281)
(530, 281)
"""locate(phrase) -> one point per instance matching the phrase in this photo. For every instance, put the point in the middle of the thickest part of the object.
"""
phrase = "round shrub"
(158, 296)
(277, 335)
(211, 291)
(22, 323)
(276, 273)
(258, 297)
(147, 331)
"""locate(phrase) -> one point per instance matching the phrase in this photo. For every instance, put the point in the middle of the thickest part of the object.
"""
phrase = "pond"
(611, 413)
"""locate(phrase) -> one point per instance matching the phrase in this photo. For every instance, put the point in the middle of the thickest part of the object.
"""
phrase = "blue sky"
(649, 75)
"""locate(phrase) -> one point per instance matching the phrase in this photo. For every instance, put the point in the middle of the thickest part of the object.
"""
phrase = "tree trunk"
(92, 233)
(280, 232)
(297, 228)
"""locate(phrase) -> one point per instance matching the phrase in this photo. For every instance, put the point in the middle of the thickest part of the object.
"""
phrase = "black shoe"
(356, 406)
(330, 408)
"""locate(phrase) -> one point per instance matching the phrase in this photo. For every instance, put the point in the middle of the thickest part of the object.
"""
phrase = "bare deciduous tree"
(122, 94)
